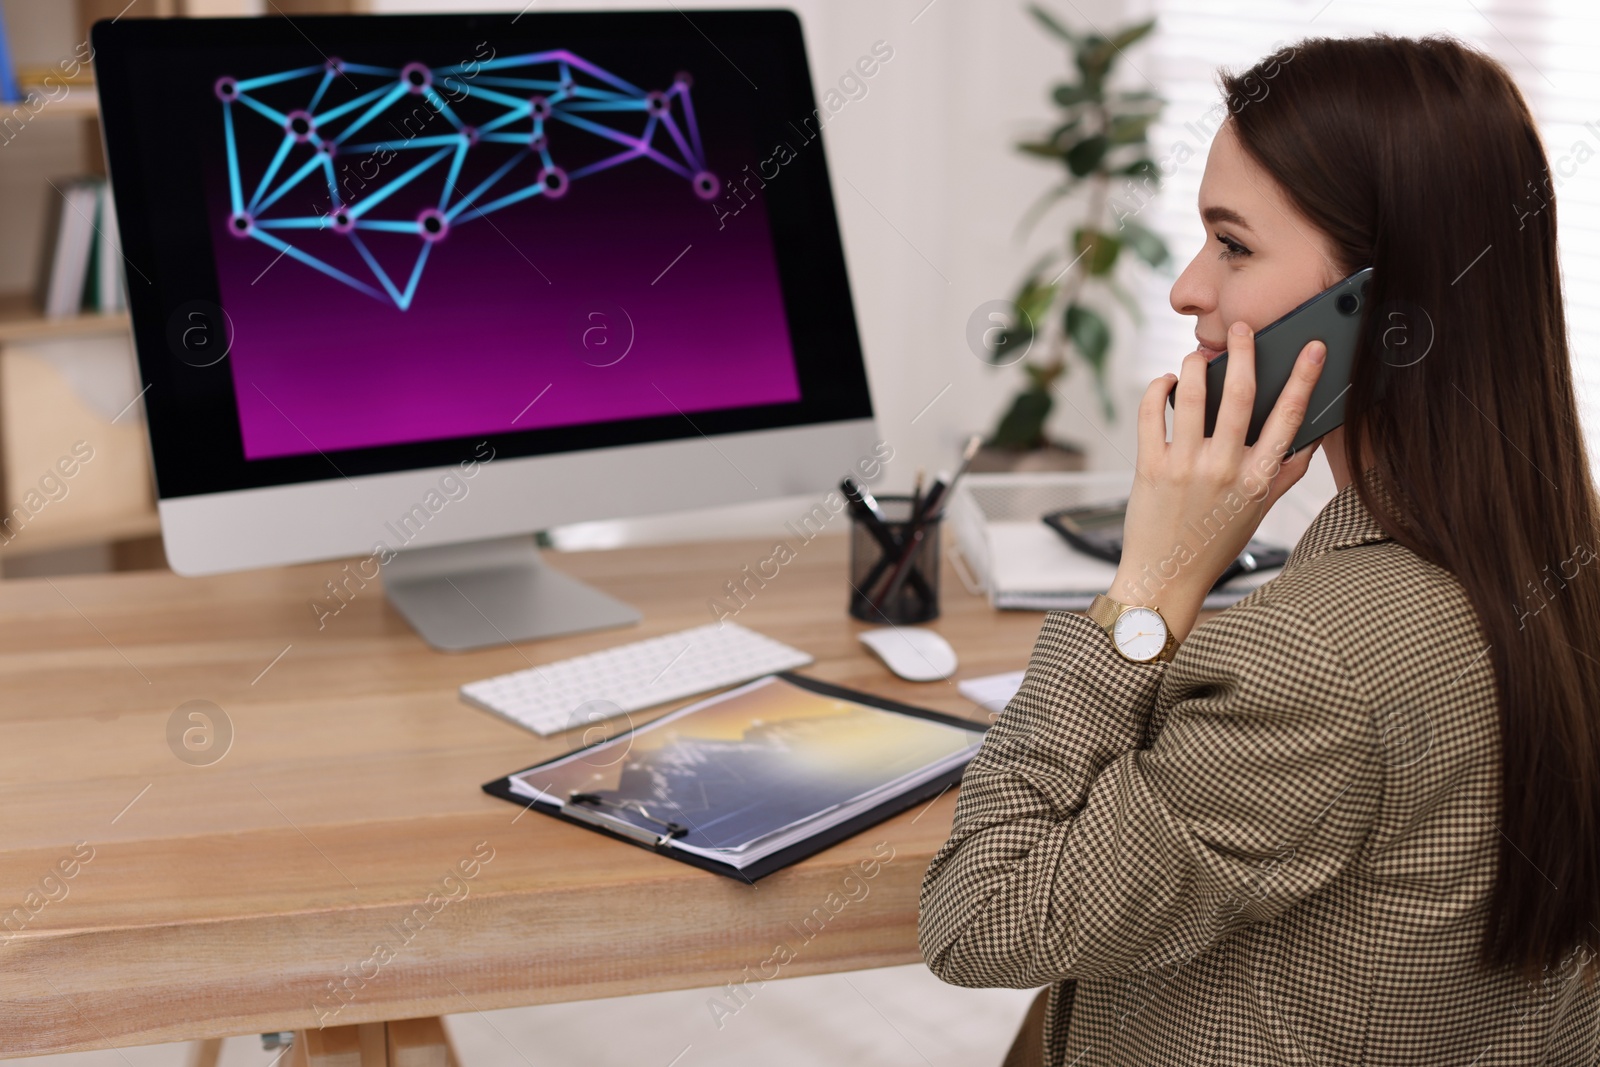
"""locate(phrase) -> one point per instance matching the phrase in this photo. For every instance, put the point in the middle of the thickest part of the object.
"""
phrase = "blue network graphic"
(524, 105)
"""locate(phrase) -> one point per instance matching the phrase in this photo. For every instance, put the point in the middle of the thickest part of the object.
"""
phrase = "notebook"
(753, 779)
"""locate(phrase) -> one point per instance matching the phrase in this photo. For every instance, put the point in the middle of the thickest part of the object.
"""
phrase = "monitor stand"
(485, 593)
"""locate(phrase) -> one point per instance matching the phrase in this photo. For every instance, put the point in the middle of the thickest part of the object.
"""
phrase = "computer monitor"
(410, 288)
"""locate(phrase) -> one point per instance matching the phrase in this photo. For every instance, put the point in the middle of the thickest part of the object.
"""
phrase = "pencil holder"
(892, 581)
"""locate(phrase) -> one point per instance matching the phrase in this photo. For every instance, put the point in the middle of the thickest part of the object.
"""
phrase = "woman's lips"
(1210, 351)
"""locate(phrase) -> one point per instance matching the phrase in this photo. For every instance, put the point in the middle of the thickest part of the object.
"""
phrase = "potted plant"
(1101, 142)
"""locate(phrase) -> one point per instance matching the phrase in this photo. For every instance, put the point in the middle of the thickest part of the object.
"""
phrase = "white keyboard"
(553, 697)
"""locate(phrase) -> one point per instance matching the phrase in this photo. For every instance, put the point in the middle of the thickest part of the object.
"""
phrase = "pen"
(932, 507)
(902, 567)
(864, 507)
(870, 501)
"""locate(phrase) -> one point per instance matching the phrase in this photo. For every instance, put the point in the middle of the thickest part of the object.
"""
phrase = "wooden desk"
(223, 899)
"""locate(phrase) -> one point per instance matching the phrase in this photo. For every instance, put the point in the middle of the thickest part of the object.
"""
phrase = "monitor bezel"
(195, 441)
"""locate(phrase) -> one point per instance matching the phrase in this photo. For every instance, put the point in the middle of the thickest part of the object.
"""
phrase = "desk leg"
(420, 1043)
(403, 1043)
(365, 1045)
(206, 1053)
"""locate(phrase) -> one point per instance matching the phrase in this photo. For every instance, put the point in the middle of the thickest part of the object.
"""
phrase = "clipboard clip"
(581, 806)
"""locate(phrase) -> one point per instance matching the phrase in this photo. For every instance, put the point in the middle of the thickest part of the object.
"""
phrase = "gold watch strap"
(1103, 611)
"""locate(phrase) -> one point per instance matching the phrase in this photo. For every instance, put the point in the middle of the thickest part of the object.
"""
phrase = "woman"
(1355, 818)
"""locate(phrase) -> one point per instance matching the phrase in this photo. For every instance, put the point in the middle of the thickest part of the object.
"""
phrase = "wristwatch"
(1140, 634)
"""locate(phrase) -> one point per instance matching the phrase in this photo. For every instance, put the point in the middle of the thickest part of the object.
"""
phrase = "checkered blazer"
(1275, 849)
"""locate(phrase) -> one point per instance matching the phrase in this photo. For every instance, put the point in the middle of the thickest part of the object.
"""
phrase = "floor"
(887, 1018)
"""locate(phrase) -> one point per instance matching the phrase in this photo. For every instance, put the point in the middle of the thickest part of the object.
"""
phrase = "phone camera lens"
(1348, 304)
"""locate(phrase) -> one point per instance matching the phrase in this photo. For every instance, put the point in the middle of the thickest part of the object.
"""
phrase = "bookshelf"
(67, 535)
(43, 404)
(20, 320)
(79, 101)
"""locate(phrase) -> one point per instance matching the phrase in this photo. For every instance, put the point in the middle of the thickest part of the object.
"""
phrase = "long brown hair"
(1419, 158)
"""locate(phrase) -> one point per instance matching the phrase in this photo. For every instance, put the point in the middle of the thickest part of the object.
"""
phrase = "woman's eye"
(1231, 249)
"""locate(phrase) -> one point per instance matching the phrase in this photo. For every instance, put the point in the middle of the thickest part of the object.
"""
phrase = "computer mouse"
(915, 654)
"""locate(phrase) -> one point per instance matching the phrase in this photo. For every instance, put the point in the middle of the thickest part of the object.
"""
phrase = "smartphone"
(1095, 530)
(1333, 317)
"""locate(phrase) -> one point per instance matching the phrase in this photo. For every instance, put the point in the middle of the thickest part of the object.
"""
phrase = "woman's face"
(1261, 259)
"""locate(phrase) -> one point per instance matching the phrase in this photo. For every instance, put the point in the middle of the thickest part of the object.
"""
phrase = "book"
(108, 283)
(10, 90)
(70, 240)
(749, 780)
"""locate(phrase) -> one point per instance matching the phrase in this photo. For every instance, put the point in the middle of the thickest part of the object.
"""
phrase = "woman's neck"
(1333, 452)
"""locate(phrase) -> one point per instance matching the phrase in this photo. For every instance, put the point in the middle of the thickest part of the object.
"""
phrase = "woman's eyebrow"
(1216, 215)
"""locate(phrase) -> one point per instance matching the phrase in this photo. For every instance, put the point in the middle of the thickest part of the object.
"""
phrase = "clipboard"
(661, 843)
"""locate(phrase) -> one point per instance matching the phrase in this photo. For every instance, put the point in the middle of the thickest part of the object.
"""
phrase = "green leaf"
(1094, 58)
(1128, 35)
(1058, 134)
(1145, 244)
(1130, 129)
(1140, 168)
(1053, 24)
(1029, 308)
(1033, 300)
(1043, 149)
(1067, 94)
(1085, 156)
(1007, 341)
(1095, 54)
(1022, 427)
(1091, 334)
(1099, 251)
(1042, 376)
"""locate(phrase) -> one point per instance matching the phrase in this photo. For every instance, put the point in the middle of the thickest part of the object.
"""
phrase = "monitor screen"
(490, 177)
(412, 234)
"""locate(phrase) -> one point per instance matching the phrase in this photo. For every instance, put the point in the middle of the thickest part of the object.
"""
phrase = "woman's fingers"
(1189, 404)
(1289, 472)
(1290, 410)
(1238, 388)
(1153, 418)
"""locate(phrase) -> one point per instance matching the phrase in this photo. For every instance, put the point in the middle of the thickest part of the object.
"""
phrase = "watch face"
(1141, 633)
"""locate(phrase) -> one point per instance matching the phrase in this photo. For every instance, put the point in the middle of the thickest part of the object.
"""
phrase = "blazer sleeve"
(1077, 850)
